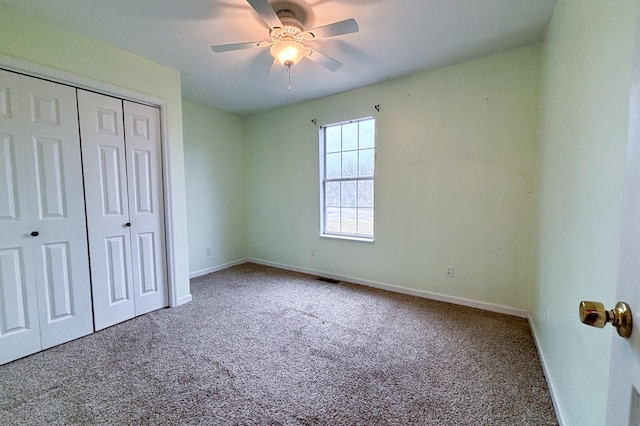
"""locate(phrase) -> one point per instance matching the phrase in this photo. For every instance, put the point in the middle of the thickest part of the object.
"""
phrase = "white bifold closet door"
(45, 292)
(122, 159)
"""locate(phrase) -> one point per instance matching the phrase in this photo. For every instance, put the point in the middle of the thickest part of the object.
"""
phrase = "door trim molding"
(32, 69)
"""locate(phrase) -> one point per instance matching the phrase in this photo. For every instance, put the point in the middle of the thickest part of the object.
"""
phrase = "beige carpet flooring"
(262, 346)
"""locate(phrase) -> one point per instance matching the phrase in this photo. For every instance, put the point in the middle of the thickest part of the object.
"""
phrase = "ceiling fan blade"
(238, 46)
(347, 26)
(324, 60)
(266, 12)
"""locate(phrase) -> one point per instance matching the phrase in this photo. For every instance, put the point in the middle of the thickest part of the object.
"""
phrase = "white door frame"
(32, 69)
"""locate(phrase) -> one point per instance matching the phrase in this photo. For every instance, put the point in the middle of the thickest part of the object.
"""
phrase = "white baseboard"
(550, 385)
(206, 271)
(397, 289)
(184, 299)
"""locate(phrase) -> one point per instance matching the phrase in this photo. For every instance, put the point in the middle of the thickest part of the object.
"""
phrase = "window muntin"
(347, 168)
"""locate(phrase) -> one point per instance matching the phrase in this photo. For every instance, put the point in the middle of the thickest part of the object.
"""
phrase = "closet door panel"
(57, 205)
(9, 202)
(117, 281)
(144, 169)
(19, 325)
(105, 176)
(14, 303)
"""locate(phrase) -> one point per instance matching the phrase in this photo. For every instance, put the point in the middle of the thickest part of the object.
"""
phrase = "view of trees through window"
(349, 158)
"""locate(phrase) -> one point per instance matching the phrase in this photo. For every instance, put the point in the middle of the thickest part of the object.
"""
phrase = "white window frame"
(324, 180)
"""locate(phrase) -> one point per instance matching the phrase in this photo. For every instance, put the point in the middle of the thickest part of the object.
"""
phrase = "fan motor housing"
(301, 11)
(292, 30)
(288, 19)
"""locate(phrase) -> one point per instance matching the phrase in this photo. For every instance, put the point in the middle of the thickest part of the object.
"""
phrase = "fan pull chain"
(289, 71)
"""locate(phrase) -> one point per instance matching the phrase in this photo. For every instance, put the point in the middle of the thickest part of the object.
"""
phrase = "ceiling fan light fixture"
(288, 52)
(286, 20)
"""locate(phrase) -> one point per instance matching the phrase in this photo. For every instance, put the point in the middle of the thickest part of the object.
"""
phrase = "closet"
(81, 216)
(123, 163)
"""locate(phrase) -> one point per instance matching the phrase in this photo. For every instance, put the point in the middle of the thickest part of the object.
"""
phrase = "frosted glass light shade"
(288, 52)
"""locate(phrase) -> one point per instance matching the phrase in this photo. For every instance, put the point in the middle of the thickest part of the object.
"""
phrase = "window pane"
(332, 194)
(349, 221)
(365, 163)
(332, 137)
(349, 136)
(333, 165)
(350, 164)
(365, 193)
(332, 220)
(348, 194)
(365, 221)
(367, 133)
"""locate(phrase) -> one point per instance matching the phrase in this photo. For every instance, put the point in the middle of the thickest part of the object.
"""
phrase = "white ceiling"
(396, 38)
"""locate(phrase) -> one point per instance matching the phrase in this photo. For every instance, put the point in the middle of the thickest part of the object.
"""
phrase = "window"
(347, 159)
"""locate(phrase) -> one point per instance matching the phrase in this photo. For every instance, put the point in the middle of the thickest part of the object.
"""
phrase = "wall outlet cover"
(448, 271)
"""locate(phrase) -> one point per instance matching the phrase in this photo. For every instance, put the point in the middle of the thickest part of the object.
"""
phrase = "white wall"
(455, 177)
(584, 116)
(29, 38)
(216, 180)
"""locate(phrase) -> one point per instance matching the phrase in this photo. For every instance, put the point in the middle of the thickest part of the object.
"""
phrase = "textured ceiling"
(396, 38)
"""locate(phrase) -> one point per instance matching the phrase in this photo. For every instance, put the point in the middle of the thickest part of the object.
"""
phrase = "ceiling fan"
(287, 35)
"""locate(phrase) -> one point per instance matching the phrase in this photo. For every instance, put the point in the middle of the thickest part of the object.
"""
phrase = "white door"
(121, 151)
(623, 406)
(19, 325)
(144, 173)
(52, 144)
(103, 155)
(43, 250)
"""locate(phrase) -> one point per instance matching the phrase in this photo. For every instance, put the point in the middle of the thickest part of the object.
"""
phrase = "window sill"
(348, 238)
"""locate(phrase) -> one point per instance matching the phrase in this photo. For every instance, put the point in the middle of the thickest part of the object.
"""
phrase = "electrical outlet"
(544, 316)
(313, 252)
(448, 271)
(207, 251)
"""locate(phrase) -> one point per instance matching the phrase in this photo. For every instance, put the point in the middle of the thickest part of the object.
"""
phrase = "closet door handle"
(127, 224)
(35, 233)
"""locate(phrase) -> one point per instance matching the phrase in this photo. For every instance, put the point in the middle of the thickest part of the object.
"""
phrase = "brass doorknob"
(594, 314)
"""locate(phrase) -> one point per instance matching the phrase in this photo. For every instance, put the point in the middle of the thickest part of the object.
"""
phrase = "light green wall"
(29, 38)
(584, 115)
(216, 179)
(455, 176)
